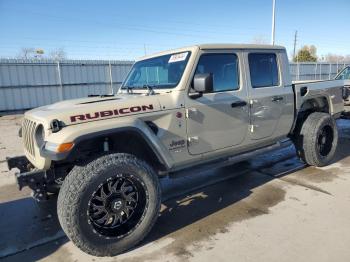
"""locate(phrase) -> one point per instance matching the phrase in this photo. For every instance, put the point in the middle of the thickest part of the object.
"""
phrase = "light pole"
(273, 22)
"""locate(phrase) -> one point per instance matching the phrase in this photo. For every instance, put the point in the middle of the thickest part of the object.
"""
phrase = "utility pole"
(273, 22)
(295, 43)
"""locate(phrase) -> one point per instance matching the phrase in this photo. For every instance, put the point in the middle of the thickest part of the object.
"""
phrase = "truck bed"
(329, 89)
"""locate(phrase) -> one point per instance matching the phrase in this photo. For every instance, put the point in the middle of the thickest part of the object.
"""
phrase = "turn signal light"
(62, 148)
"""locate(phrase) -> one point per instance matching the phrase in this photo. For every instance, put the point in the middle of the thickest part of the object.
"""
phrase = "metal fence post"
(315, 71)
(298, 71)
(60, 92)
(337, 66)
(330, 71)
(110, 76)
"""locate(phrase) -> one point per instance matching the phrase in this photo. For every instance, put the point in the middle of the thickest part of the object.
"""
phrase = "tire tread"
(73, 189)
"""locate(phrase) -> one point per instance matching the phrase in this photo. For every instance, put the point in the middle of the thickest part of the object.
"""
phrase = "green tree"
(306, 54)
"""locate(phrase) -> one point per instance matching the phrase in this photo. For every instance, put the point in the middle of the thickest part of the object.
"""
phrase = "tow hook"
(34, 179)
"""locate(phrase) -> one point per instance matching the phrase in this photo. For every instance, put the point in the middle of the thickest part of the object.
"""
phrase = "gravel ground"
(277, 209)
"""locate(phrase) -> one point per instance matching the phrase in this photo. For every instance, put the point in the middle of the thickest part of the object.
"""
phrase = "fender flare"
(315, 97)
(61, 156)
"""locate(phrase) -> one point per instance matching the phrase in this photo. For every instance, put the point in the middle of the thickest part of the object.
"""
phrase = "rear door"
(219, 119)
(271, 99)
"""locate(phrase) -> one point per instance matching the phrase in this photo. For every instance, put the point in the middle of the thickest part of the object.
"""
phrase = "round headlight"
(40, 135)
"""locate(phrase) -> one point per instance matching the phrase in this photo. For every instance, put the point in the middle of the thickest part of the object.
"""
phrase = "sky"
(125, 30)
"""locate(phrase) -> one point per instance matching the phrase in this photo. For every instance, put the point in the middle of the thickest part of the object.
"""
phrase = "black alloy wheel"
(325, 140)
(117, 206)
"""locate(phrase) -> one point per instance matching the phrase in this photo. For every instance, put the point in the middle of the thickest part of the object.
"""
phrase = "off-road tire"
(76, 190)
(308, 139)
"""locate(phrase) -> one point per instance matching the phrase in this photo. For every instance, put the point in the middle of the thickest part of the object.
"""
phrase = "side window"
(263, 70)
(223, 67)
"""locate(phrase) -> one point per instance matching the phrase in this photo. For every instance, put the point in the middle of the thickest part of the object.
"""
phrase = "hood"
(94, 108)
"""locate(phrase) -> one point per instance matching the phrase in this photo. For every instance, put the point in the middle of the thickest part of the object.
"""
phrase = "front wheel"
(110, 204)
(317, 140)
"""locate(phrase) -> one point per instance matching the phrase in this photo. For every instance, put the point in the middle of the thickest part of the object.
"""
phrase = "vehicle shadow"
(206, 211)
(33, 233)
(26, 224)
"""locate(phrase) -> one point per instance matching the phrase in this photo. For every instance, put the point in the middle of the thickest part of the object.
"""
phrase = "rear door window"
(263, 70)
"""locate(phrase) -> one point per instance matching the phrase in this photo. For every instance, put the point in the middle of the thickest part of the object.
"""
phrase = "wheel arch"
(310, 105)
(129, 139)
(316, 104)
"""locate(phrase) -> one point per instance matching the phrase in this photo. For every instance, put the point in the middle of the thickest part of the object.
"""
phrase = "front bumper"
(29, 176)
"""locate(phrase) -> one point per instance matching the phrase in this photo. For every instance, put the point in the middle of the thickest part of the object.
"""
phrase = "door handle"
(277, 98)
(239, 104)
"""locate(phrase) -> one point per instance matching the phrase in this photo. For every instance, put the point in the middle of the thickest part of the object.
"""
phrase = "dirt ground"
(271, 208)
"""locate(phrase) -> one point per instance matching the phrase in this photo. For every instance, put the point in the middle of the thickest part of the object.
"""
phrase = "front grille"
(28, 132)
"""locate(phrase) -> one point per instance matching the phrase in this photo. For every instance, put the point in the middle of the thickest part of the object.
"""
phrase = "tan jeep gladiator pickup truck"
(198, 106)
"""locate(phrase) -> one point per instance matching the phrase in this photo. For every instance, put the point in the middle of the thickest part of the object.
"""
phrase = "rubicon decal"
(114, 112)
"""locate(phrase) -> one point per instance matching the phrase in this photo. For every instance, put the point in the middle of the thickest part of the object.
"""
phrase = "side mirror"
(203, 83)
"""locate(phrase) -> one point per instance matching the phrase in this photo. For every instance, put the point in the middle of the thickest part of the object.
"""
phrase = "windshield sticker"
(178, 57)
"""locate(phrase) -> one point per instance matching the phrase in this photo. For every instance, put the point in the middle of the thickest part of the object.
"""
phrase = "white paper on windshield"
(178, 57)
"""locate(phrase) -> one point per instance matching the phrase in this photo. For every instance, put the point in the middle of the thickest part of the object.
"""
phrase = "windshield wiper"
(128, 89)
(150, 89)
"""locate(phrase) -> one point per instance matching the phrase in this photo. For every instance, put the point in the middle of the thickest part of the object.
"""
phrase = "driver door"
(219, 119)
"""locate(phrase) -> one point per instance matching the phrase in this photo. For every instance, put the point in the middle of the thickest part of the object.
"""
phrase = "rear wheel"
(110, 204)
(317, 140)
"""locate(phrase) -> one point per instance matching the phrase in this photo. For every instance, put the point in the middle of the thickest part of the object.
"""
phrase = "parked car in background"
(344, 74)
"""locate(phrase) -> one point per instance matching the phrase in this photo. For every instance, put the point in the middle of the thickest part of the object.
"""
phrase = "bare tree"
(334, 58)
(58, 54)
(26, 53)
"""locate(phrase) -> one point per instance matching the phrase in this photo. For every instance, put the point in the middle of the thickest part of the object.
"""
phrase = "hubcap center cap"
(117, 204)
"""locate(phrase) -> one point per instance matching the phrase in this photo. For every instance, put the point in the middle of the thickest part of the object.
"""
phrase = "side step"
(222, 162)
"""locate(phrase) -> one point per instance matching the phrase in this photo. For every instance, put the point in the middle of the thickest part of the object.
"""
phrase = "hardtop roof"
(239, 46)
(213, 47)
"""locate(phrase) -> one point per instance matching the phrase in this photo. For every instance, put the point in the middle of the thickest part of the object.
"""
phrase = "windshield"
(158, 72)
(344, 74)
